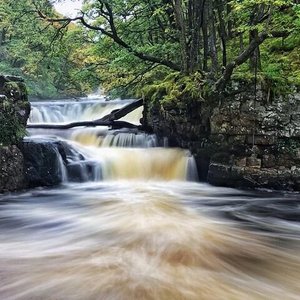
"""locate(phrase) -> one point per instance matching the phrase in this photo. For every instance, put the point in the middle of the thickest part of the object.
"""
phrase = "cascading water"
(129, 223)
(119, 157)
(114, 138)
(142, 159)
(79, 110)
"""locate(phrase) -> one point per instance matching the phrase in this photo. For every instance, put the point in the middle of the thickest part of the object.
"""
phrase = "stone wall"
(14, 112)
(240, 141)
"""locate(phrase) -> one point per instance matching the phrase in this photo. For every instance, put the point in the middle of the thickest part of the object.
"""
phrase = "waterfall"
(71, 111)
(143, 164)
(97, 153)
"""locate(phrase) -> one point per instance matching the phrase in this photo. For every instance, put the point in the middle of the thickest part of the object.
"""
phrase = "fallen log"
(112, 124)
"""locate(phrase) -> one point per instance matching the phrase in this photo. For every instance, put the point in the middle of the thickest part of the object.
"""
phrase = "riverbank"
(242, 140)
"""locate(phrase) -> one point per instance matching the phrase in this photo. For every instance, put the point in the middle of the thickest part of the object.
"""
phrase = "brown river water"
(146, 229)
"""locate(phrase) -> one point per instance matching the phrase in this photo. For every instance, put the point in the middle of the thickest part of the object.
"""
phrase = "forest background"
(161, 48)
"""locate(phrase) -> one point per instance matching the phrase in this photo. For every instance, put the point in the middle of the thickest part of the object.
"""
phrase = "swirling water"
(145, 232)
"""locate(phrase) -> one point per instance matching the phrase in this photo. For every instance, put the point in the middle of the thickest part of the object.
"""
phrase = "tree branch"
(139, 77)
(114, 36)
(223, 81)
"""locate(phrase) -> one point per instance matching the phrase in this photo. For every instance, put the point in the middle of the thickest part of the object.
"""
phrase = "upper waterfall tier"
(81, 110)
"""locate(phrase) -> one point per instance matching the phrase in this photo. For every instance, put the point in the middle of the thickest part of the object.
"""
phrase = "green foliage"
(152, 28)
(281, 64)
(59, 58)
(279, 57)
(45, 56)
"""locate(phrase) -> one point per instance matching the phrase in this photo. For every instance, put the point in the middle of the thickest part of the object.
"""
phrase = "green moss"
(12, 130)
(177, 88)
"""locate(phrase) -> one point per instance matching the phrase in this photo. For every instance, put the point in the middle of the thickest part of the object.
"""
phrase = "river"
(140, 226)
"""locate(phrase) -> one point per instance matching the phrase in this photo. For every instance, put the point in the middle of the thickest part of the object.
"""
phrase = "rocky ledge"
(238, 141)
(233, 176)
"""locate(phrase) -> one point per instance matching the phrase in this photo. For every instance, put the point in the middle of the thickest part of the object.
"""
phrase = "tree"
(188, 36)
(44, 55)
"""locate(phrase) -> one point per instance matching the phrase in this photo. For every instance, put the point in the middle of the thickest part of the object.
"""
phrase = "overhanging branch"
(244, 56)
(114, 36)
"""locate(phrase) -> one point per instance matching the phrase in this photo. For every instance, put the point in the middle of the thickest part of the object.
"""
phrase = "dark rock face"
(14, 112)
(186, 125)
(42, 163)
(239, 141)
(11, 169)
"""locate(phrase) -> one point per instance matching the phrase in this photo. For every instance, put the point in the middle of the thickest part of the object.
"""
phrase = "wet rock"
(82, 171)
(268, 161)
(218, 174)
(227, 175)
(11, 169)
(253, 161)
(3, 98)
(14, 97)
(236, 139)
(262, 140)
(297, 153)
(76, 172)
(42, 163)
(241, 162)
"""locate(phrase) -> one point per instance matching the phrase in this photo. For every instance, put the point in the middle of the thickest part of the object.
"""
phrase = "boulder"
(49, 162)
(43, 164)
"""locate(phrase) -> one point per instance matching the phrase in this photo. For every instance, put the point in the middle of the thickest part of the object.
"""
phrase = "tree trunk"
(222, 31)
(212, 38)
(189, 20)
(254, 61)
(242, 47)
(2, 36)
(195, 24)
(181, 25)
(205, 39)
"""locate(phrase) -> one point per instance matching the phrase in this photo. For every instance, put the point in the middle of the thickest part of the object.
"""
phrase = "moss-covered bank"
(240, 140)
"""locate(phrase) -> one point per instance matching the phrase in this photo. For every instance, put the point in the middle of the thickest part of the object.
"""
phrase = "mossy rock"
(14, 110)
(15, 90)
(12, 129)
